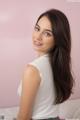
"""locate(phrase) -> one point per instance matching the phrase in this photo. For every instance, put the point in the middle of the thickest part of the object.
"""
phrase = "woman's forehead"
(44, 22)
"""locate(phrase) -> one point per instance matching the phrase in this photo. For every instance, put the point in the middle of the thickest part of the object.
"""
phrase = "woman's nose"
(39, 36)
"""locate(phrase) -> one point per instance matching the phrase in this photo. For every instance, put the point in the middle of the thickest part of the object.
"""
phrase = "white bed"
(70, 110)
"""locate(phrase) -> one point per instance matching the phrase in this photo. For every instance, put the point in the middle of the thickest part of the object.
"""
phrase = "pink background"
(17, 19)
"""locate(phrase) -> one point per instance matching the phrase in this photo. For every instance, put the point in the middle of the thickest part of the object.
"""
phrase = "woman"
(47, 81)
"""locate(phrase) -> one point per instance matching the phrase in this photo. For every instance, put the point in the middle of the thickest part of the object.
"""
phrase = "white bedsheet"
(69, 110)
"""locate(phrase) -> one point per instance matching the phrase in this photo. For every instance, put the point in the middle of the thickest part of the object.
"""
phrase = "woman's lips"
(37, 43)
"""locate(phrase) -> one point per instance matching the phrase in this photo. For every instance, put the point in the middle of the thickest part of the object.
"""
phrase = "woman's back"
(44, 103)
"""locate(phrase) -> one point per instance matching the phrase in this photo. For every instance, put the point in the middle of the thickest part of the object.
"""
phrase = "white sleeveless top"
(44, 107)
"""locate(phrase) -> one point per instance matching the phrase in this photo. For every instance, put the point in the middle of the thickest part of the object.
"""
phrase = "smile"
(37, 43)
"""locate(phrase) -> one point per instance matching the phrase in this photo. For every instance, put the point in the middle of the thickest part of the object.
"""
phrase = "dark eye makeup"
(46, 32)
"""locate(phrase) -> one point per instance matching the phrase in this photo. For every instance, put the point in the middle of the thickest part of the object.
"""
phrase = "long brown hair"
(60, 58)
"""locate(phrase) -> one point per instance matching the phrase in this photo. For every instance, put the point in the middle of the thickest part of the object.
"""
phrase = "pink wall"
(17, 18)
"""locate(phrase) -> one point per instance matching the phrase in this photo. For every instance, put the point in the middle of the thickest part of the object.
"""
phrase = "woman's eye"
(47, 34)
(36, 29)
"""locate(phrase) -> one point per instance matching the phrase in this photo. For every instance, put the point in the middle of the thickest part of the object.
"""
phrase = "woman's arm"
(30, 84)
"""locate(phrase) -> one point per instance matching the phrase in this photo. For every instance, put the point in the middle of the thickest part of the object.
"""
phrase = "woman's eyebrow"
(37, 25)
(48, 30)
(44, 29)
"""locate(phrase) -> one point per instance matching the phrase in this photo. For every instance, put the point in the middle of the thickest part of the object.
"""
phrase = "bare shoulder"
(32, 73)
(31, 69)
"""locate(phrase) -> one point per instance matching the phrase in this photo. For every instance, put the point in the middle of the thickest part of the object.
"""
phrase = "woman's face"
(43, 39)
